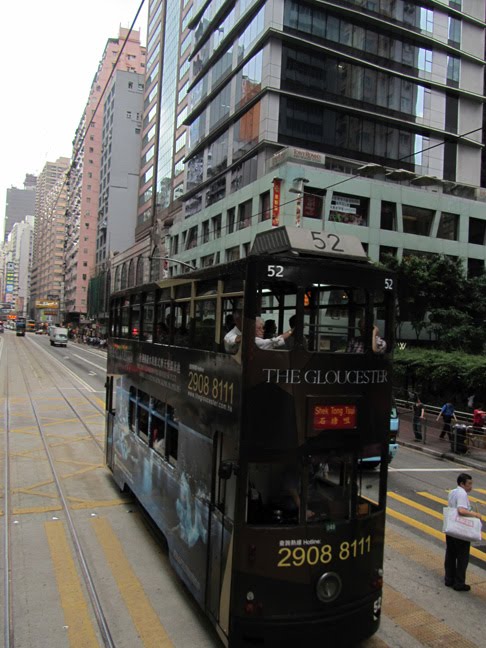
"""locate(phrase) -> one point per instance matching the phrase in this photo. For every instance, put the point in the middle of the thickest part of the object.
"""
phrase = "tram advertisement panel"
(206, 384)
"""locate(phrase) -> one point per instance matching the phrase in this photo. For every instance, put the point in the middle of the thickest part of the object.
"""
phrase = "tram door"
(221, 531)
(110, 419)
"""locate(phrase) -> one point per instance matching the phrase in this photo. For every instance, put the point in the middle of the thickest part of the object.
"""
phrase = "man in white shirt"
(457, 551)
(269, 343)
(232, 339)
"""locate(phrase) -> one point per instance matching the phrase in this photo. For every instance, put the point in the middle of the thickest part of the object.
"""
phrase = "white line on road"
(89, 362)
(429, 469)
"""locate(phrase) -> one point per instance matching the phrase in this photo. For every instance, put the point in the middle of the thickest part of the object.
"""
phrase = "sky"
(51, 50)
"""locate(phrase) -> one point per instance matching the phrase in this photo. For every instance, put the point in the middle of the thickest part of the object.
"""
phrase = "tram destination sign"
(334, 417)
(304, 241)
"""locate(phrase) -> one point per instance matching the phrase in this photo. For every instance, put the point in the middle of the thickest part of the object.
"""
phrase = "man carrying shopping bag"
(457, 549)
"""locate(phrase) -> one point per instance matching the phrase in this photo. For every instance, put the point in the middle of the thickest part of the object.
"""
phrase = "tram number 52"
(275, 271)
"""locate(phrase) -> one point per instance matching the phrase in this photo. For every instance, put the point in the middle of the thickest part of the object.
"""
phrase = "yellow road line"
(143, 615)
(444, 502)
(76, 612)
(100, 401)
(428, 530)
(415, 505)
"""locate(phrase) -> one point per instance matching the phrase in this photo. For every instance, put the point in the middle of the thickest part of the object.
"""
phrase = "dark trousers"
(446, 429)
(456, 560)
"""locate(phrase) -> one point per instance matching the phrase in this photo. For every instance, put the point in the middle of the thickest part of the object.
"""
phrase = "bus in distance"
(247, 451)
(20, 326)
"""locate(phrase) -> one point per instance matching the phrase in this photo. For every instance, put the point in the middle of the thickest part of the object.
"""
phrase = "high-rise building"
(84, 173)
(18, 262)
(20, 203)
(119, 177)
(47, 280)
(352, 116)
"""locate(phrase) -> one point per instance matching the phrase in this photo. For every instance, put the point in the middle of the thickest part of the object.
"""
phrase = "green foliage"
(438, 376)
(435, 295)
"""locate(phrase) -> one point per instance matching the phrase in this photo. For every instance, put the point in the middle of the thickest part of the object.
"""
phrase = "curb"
(449, 456)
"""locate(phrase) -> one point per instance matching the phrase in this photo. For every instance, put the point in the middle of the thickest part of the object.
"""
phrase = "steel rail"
(8, 625)
(90, 586)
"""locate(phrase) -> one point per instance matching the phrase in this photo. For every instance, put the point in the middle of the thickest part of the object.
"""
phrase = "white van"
(58, 336)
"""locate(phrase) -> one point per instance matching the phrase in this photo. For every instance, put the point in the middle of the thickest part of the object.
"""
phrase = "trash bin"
(458, 438)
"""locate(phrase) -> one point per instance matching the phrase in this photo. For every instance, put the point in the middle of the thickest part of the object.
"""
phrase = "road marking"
(444, 502)
(424, 509)
(425, 528)
(429, 469)
(76, 612)
(66, 369)
(89, 362)
(143, 615)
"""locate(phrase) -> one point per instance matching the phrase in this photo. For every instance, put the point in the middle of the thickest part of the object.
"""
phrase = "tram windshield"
(334, 318)
(323, 487)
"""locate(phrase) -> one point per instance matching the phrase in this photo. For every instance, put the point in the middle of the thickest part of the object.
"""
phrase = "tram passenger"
(232, 339)
(356, 345)
(270, 329)
(272, 343)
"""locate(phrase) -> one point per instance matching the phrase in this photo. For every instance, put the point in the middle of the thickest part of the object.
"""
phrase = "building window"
(417, 220)
(453, 68)
(216, 226)
(475, 267)
(448, 226)
(233, 254)
(386, 252)
(205, 232)
(352, 210)
(454, 31)
(477, 231)
(388, 216)
(313, 202)
(230, 220)
(244, 214)
(265, 212)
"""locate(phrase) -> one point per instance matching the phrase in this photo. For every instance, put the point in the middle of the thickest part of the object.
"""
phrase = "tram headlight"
(328, 587)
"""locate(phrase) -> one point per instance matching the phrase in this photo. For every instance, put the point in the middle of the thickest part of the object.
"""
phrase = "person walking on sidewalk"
(418, 418)
(447, 413)
(457, 551)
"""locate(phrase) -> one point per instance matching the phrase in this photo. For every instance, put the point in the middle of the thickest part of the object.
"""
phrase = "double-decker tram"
(241, 402)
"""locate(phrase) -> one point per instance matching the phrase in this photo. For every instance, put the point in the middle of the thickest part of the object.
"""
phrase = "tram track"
(79, 552)
(74, 386)
(8, 626)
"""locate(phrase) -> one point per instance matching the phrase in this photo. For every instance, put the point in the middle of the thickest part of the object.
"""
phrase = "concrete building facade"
(84, 173)
(347, 116)
(47, 281)
(18, 262)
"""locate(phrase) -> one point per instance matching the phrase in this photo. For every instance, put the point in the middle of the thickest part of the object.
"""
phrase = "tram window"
(180, 329)
(148, 318)
(204, 324)
(132, 408)
(163, 320)
(135, 317)
(183, 291)
(231, 315)
(331, 315)
(125, 318)
(172, 435)
(157, 431)
(233, 284)
(277, 301)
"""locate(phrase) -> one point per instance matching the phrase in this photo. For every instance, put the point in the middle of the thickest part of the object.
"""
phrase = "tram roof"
(306, 242)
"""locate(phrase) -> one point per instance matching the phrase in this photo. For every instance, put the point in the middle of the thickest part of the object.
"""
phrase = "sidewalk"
(433, 445)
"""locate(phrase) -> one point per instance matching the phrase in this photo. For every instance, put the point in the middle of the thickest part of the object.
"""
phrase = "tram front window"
(323, 487)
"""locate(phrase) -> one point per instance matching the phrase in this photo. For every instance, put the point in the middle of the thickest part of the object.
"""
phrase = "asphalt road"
(145, 603)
